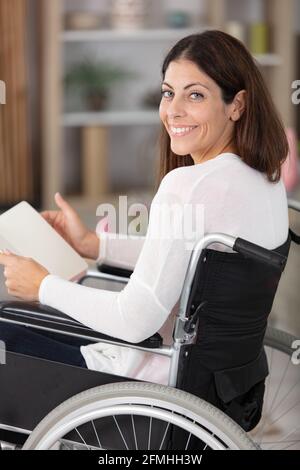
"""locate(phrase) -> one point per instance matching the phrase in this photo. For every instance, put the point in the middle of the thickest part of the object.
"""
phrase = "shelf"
(110, 118)
(151, 35)
(268, 60)
(127, 35)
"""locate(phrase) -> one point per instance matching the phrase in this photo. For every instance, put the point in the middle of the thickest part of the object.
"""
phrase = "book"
(24, 232)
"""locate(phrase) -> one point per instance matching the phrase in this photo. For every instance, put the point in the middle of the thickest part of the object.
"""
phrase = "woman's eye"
(164, 93)
(198, 96)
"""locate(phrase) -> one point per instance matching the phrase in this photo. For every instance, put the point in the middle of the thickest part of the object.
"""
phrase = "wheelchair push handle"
(259, 253)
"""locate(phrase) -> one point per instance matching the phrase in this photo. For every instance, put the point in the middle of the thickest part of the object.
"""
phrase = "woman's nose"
(176, 108)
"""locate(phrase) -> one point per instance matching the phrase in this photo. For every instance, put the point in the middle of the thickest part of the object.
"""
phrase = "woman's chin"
(180, 150)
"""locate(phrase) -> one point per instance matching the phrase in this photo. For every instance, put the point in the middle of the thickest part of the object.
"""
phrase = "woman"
(222, 146)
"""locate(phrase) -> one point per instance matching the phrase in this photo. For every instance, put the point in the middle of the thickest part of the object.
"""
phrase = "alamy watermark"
(296, 93)
(169, 219)
(2, 92)
(2, 353)
(296, 353)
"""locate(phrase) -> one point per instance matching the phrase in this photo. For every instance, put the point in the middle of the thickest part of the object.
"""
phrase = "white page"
(24, 231)
(4, 244)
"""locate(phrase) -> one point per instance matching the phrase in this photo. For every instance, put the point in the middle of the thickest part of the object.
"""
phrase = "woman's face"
(193, 112)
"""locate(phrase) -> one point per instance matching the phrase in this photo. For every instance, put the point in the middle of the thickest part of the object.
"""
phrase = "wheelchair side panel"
(31, 387)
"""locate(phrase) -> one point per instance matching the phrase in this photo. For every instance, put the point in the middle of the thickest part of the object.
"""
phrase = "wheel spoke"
(279, 387)
(121, 434)
(164, 436)
(82, 439)
(134, 433)
(280, 384)
(287, 394)
(284, 439)
(97, 436)
(150, 432)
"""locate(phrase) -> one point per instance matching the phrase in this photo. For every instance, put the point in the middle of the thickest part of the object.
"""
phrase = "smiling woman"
(221, 150)
(212, 103)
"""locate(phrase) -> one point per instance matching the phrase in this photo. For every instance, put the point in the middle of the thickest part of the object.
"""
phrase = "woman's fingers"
(8, 259)
(63, 204)
(49, 216)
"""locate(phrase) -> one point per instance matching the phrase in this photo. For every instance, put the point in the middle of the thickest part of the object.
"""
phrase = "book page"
(24, 231)
(4, 244)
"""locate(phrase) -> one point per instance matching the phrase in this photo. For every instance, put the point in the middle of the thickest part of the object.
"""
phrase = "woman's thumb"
(62, 204)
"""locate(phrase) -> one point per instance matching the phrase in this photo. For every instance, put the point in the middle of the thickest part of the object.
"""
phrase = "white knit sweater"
(230, 197)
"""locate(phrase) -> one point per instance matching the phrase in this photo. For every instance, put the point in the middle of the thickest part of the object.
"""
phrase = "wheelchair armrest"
(43, 317)
(107, 273)
(115, 271)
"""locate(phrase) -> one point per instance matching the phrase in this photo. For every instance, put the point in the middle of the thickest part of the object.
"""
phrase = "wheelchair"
(216, 387)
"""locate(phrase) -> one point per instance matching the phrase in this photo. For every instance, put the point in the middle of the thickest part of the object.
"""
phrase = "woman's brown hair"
(259, 136)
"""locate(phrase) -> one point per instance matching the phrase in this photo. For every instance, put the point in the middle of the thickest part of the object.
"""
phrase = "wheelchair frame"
(182, 336)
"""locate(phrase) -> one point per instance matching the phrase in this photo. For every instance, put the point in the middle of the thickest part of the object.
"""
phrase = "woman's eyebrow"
(187, 86)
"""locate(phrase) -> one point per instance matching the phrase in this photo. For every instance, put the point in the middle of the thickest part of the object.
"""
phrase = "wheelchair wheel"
(279, 426)
(136, 415)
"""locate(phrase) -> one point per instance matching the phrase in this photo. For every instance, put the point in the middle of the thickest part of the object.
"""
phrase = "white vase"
(128, 14)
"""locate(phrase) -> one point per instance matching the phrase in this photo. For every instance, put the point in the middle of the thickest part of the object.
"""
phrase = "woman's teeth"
(180, 131)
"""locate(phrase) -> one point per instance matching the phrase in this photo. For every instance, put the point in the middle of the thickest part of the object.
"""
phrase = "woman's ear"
(238, 105)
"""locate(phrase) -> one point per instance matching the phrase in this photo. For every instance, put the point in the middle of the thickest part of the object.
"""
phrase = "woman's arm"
(142, 307)
(119, 251)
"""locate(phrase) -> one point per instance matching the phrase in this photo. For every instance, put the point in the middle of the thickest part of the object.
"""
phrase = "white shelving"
(139, 35)
(111, 35)
(110, 118)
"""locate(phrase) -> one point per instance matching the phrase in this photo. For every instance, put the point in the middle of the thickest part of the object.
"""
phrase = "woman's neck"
(212, 153)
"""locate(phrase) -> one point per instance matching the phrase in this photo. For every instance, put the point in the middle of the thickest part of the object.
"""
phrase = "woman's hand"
(69, 225)
(23, 275)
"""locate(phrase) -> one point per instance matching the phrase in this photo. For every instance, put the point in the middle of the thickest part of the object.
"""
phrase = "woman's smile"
(181, 131)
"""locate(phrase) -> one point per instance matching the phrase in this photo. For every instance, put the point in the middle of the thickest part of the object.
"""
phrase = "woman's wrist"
(90, 246)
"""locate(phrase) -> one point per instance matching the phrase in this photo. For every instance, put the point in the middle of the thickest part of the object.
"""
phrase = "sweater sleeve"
(119, 250)
(142, 307)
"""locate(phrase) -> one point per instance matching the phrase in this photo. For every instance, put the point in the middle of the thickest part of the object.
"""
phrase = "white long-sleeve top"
(229, 197)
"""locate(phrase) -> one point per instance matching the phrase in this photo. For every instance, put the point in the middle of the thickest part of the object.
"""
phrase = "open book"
(23, 231)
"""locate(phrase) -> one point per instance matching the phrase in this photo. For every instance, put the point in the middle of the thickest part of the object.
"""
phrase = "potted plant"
(93, 79)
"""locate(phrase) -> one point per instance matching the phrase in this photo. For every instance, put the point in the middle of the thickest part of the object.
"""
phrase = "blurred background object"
(16, 159)
(291, 167)
(237, 30)
(128, 14)
(259, 38)
(178, 19)
(93, 80)
(82, 20)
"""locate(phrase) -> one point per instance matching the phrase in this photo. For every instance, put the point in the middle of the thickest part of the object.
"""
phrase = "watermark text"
(296, 93)
(296, 353)
(2, 92)
(2, 353)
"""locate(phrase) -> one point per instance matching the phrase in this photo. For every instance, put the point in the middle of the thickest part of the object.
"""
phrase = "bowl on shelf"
(178, 19)
(82, 20)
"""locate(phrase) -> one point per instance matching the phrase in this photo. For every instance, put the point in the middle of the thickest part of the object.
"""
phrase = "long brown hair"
(259, 136)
